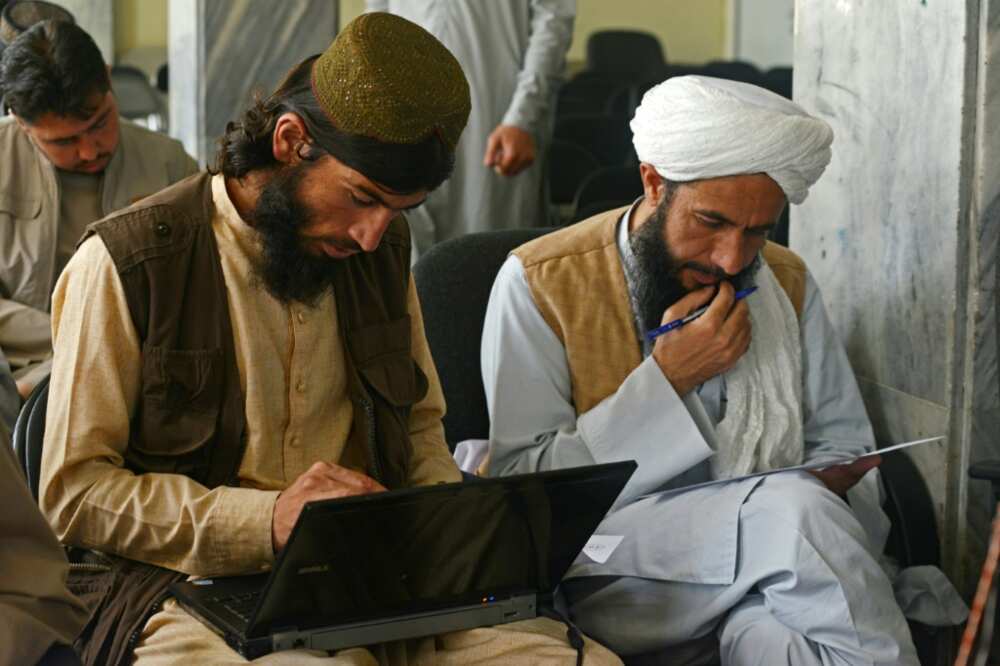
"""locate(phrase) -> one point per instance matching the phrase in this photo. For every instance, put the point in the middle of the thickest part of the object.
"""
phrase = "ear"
(652, 183)
(288, 138)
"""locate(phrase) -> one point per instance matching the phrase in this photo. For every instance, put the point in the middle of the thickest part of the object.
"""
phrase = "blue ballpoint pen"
(677, 323)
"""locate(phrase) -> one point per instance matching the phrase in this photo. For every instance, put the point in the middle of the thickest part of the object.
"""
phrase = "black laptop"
(414, 562)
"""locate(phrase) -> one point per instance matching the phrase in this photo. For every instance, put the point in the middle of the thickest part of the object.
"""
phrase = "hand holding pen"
(677, 323)
(713, 338)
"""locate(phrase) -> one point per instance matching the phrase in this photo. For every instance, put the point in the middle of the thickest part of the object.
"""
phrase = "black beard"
(286, 269)
(656, 284)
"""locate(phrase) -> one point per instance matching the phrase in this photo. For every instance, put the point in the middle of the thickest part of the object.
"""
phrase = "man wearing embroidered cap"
(775, 571)
(249, 340)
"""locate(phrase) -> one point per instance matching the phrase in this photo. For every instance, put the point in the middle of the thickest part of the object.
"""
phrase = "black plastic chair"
(453, 280)
(592, 209)
(616, 186)
(682, 69)
(29, 434)
(624, 100)
(779, 80)
(568, 166)
(988, 470)
(163, 78)
(607, 137)
(137, 99)
(734, 70)
(587, 92)
(779, 234)
(629, 54)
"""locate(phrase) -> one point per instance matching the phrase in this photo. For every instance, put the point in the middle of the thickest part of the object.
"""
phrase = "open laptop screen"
(426, 548)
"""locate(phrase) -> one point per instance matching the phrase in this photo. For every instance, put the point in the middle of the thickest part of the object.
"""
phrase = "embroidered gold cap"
(389, 79)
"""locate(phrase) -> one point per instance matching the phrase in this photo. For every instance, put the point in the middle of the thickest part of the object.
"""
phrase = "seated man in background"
(246, 342)
(781, 568)
(68, 160)
(38, 615)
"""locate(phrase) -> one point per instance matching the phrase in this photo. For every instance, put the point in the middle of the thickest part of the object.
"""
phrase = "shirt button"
(301, 386)
(294, 441)
(301, 317)
(162, 229)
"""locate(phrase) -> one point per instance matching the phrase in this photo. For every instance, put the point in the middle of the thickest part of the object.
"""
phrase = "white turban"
(695, 127)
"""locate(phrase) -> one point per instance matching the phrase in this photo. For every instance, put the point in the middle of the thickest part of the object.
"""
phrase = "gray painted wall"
(901, 231)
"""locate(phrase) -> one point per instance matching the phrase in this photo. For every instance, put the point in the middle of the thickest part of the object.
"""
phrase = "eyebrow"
(374, 195)
(96, 121)
(719, 217)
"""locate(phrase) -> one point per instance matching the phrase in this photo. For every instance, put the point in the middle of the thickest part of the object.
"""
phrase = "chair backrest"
(29, 434)
(779, 80)
(913, 537)
(734, 70)
(163, 78)
(568, 166)
(615, 185)
(137, 99)
(607, 137)
(453, 280)
(588, 92)
(631, 53)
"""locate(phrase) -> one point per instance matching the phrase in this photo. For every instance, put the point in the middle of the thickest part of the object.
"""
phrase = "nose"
(88, 149)
(729, 252)
(368, 232)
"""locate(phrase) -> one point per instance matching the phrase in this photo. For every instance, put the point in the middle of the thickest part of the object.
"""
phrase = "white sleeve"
(835, 422)
(544, 61)
(533, 424)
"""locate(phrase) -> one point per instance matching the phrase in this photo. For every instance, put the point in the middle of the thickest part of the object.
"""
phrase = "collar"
(242, 233)
(629, 268)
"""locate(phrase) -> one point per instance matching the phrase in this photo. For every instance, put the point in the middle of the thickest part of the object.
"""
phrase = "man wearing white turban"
(779, 570)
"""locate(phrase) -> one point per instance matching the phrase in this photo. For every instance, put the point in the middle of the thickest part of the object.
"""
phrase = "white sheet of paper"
(600, 547)
(819, 465)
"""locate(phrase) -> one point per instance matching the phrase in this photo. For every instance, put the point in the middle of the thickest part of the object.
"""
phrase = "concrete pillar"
(220, 51)
(901, 231)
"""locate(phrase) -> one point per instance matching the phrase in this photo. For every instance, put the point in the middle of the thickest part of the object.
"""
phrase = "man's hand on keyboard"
(321, 481)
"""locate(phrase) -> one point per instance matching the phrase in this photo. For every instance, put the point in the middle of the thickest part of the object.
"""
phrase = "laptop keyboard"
(240, 605)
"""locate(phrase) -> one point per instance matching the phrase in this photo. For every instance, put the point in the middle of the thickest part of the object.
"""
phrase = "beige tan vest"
(577, 282)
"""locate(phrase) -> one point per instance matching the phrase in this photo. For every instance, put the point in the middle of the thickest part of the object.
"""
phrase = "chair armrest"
(988, 470)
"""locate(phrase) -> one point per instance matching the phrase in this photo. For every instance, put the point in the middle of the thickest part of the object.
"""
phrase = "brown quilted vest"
(190, 417)
(577, 282)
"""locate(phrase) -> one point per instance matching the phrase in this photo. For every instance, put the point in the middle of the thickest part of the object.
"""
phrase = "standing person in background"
(513, 54)
(68, 160)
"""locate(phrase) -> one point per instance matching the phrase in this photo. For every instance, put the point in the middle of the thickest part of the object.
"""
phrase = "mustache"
(99, 158)
(345, 244)
(708, 270)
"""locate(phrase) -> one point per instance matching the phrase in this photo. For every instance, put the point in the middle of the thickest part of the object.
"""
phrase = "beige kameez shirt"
(290, 361)
(31, 228)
